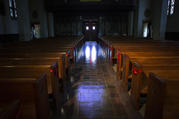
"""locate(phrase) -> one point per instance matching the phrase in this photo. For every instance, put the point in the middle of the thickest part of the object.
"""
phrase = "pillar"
(24, 20)
(51, 25)
(130, 23)
(138, 19)
(159, 18)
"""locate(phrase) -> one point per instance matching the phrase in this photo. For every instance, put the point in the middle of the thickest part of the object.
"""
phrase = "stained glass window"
(171, 7)
(13, 9)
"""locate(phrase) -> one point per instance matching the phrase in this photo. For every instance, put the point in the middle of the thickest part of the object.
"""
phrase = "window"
(13, 9)
(171, 7)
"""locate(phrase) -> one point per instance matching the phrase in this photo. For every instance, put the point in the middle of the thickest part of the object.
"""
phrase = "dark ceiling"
(102, 8)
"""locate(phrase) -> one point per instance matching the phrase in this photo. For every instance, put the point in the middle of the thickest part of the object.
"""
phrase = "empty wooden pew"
(11, 110)
(162, 98)
(60, 57)
(21, 54)
(140, 78)
(53, 82)
(154, 56)
(35, 61)
(31, 91)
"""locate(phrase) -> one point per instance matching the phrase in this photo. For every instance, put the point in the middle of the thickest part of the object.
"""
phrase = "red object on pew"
(135, 71)
(109, 48)
(117, 59)
(51, 70)
(118, 54)
(66, 54)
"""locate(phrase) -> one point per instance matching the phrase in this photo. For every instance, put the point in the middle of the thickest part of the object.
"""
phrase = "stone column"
(159, 18)
(101, 26)
(138, 19)
(51, 25)
(130, 23)
(24, 20)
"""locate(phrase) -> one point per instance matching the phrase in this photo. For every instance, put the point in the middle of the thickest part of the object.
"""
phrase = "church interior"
(89, 59)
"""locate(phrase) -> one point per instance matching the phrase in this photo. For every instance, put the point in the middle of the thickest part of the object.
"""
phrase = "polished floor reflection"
(92, 90)
(90, 53)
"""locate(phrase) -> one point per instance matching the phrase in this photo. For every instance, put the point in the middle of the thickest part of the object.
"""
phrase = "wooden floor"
(93, 91)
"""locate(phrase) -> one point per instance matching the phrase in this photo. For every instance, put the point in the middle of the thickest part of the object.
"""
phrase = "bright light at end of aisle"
(87, 28)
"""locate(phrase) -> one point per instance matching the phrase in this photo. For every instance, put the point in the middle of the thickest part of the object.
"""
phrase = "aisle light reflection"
(87, 52)
(91, 95)
(93, 54)
(94, 27)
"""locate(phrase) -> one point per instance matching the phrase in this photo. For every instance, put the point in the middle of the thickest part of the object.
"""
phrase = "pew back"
(31, 91)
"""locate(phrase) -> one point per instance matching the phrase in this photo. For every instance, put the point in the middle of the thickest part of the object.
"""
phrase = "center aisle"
(93, 93)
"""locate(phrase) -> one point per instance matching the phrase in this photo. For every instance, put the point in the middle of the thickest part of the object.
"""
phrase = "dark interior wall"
(1, 23)
(7, 25)
(22, 25)
(117, 24)
(108, 25)
(2, 7)
(64, 25)
(50, 25)
(114, 25)
(62, 2)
